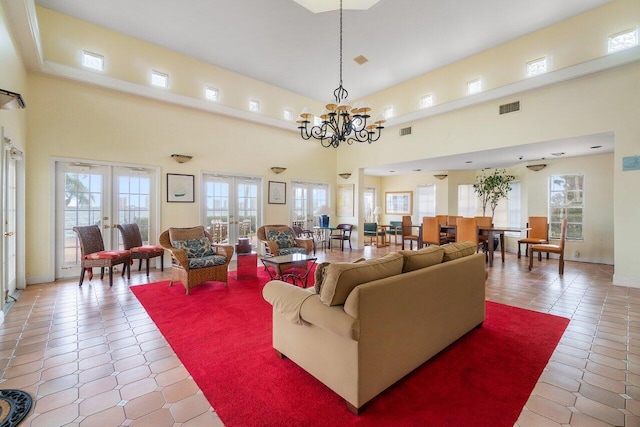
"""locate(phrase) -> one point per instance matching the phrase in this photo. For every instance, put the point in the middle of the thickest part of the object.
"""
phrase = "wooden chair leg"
(147, 267)
(519, 247)
(82, 270)
(140, 264)
(111, 276)
(561, 265)
(530, 259)
(102, 273)
(540, 255)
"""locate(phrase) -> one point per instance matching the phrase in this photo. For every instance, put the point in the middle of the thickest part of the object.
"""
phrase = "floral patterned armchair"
(281, 240)
(195, 259)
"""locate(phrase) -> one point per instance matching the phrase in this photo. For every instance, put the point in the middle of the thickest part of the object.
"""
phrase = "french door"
(308, 197)
(102, 194)
(9, 158)
(231, 207)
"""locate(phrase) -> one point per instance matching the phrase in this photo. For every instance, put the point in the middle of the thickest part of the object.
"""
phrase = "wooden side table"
(246, 266)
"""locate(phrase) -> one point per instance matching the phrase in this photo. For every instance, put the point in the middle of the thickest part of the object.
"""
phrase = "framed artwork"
(277, 193)
(345, 200)
(398, 202)
(180, 188)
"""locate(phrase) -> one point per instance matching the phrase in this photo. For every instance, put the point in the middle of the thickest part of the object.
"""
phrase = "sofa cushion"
(319, 274)
(283, 238)
(458, 250)
(207, 261)
(422, 258)
(342, 277)
(194, 248)
(289, 251)
(186, 233)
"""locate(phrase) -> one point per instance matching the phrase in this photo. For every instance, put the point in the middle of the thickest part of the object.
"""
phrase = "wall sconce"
(345, 175)
(537, 167)
(278, 169)
(181, 158)
(441, 176)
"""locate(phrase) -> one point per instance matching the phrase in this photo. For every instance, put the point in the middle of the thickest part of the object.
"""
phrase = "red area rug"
(223, 337)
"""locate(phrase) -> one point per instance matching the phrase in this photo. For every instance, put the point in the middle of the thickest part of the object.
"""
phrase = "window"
(474, 86)
(212, 94)
(566, 200)
(254, 105)
(467, 200)
(507, 213)
(388, 112)
(92, 60)
(308, 197)
(159, 79)
(426, 201)
(536, 67)
(426, 101)
(623, 40)
(288, 114)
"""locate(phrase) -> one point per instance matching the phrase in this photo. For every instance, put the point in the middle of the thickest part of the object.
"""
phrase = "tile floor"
(92, 357)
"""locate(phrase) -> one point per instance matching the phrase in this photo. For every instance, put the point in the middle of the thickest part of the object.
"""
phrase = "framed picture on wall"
(277, 193)
(345, 200)
(398, 202)
(180, 188)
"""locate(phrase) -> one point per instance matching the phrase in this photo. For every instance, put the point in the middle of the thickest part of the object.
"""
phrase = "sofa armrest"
(330, 318)
(286, 299)
(305, 243)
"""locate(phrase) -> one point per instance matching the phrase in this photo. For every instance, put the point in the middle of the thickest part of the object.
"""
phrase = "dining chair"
(93, 254)
(537, 235)
(342, 232)
(408, 233)
(132, 241)
(549, 248)
(431, 232)
(486, 222)
(372, 231)
(467, 230)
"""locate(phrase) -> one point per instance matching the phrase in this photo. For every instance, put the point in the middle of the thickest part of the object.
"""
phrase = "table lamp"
(324, 212)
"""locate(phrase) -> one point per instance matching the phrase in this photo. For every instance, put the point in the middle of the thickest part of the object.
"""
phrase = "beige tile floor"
(92, 357)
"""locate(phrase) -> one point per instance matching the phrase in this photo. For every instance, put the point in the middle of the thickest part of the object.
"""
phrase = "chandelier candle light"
(340, 121)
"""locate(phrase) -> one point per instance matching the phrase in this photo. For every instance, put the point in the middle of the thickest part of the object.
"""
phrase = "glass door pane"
(79, 202)
(135, 195)
(217, 208)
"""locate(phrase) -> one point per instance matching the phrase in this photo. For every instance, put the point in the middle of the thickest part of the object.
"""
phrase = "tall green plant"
(493, 188)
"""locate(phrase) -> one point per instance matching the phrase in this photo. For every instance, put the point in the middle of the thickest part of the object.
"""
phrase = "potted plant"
(491, 189)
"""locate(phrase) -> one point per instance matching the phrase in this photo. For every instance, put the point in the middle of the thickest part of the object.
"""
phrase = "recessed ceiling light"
(596, 146)
(417, 170)
(558, 154)
(468, 161)
(391, 171)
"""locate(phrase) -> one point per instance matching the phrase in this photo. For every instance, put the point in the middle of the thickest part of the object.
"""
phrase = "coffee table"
(294, 266)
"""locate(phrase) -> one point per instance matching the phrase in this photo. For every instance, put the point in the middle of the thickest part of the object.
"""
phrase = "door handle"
(105, 226)
(8, 234)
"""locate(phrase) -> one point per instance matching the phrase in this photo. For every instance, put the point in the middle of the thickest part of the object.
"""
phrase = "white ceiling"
(284, 44)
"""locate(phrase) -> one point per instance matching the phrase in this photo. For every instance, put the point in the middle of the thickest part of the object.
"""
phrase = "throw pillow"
(341, 278)
(194, 248)
(320, 274)
(284, 238)
(458, 250)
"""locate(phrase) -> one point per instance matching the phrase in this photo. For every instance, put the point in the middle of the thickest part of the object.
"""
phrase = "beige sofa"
(367, 324)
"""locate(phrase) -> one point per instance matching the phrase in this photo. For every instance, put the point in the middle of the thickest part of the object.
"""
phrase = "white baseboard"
(45, 278)
(1, 317)
(629, 282)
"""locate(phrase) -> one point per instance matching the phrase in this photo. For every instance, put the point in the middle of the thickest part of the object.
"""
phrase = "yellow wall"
(13, 77)
(67, 119)
(148, 131)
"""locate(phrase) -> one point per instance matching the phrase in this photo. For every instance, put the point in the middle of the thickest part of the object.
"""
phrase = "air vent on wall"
(510, 108)
(405, 131)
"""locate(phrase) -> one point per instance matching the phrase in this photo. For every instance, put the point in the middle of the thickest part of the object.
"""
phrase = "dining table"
(490, 232)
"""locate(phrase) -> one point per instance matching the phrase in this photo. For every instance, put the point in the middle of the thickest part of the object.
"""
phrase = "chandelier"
(340, 122)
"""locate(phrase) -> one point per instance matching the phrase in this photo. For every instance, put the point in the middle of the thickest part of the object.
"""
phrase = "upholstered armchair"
(281, 240)
(195, 259)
